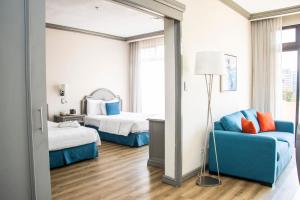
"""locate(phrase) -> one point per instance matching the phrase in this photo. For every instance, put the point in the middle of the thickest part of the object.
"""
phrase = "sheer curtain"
(266, 61)
(135, 90)
(147, 80)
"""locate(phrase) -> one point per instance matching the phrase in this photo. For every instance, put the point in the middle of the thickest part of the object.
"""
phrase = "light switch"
(185, 86)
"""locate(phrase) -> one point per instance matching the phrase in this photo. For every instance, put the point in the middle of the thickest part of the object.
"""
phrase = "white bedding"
(62, 138)
(122, 124)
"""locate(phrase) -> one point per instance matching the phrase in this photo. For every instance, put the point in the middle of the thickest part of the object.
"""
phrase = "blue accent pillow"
(218, 126)
(251, 115)
(232, 122)
(113, 108)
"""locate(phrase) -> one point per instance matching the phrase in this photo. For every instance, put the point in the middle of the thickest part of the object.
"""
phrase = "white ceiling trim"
(157, 34)
(77, 30)
(102, 16)
(173, 4)
(237, 8)
(261, 15)
(275, 13)
(104, 35)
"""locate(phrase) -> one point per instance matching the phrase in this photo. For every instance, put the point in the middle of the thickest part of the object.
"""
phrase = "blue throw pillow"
(251, 115)
(218, 126)
(113, 108)
(232, 122)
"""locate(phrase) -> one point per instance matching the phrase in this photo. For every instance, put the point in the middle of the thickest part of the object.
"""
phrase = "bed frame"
(99, 94)
(132, 140)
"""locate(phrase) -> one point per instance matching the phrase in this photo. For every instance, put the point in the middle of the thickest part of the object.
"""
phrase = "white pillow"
(103, 106)
(94, 107)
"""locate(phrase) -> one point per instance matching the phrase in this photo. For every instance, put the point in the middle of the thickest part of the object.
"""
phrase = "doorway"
(173, 12)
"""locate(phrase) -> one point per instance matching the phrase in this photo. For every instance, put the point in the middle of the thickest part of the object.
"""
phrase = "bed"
(125, 128)
(70, 145)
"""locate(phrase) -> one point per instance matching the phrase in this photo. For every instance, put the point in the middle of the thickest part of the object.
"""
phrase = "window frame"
(292, 46)
(295, 46)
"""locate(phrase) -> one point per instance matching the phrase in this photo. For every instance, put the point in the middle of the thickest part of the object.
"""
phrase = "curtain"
(266, 61)
(147, 76)
(134, 65)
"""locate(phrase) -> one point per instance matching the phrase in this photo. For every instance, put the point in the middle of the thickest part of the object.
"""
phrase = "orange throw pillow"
(266, 122)
(248, 126)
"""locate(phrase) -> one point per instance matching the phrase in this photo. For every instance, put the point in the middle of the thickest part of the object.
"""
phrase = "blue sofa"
(260, 157)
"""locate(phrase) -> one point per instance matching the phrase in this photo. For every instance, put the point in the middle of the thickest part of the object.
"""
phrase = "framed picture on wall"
(229, 80)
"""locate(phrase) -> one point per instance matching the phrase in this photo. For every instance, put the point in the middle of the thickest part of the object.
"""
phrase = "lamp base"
(208, 181)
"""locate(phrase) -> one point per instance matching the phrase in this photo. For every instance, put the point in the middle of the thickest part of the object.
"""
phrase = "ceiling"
(102, 16)
(256, 6)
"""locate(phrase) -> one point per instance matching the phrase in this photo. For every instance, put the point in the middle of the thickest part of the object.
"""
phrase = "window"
(152, 79)
(289, 84)
(290, 74)
(289, 35)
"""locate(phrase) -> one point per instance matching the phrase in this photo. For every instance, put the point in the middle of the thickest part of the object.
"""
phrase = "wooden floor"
(121, 173)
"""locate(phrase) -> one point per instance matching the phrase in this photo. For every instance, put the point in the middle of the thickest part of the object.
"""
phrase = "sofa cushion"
(232, 122)
(251, 115)
(284, 155)
(281, 136)
(284, 145)
(282, 148)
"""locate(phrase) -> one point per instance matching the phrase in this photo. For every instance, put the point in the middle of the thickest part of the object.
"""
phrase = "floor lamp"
(209, 64)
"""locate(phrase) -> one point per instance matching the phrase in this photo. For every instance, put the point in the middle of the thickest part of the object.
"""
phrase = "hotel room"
(149, 99)
(100, 77)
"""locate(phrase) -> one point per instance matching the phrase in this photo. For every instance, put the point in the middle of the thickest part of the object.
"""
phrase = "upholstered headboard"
(99, 94)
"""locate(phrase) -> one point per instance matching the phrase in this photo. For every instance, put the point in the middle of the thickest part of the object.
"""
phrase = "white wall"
(291, 20)
(211, 25)
(85, 63)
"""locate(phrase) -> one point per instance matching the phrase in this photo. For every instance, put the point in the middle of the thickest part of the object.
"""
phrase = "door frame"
(35, 64)
(28, 98)
(173, 12)
(173, 74)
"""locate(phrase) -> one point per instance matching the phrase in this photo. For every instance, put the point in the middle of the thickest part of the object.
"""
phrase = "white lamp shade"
(210, 62)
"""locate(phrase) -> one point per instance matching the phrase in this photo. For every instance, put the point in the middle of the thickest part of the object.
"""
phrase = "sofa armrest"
(243, 155)
(284, 126)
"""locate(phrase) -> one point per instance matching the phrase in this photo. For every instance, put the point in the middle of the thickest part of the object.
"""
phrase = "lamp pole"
(205, 180)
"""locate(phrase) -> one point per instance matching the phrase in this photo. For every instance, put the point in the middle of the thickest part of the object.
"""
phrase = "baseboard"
(190, 174)
(156, 163)
(170, 181)
(185, 177)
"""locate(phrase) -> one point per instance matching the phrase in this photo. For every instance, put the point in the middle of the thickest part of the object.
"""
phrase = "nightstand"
(66, 118)
(157, 142)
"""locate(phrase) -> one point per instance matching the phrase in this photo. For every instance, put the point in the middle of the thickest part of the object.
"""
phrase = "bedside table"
(157, 142)
(66, 118)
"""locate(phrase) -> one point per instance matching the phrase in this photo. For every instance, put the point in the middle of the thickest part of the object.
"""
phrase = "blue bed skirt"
(71, 155)
(132, 140)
